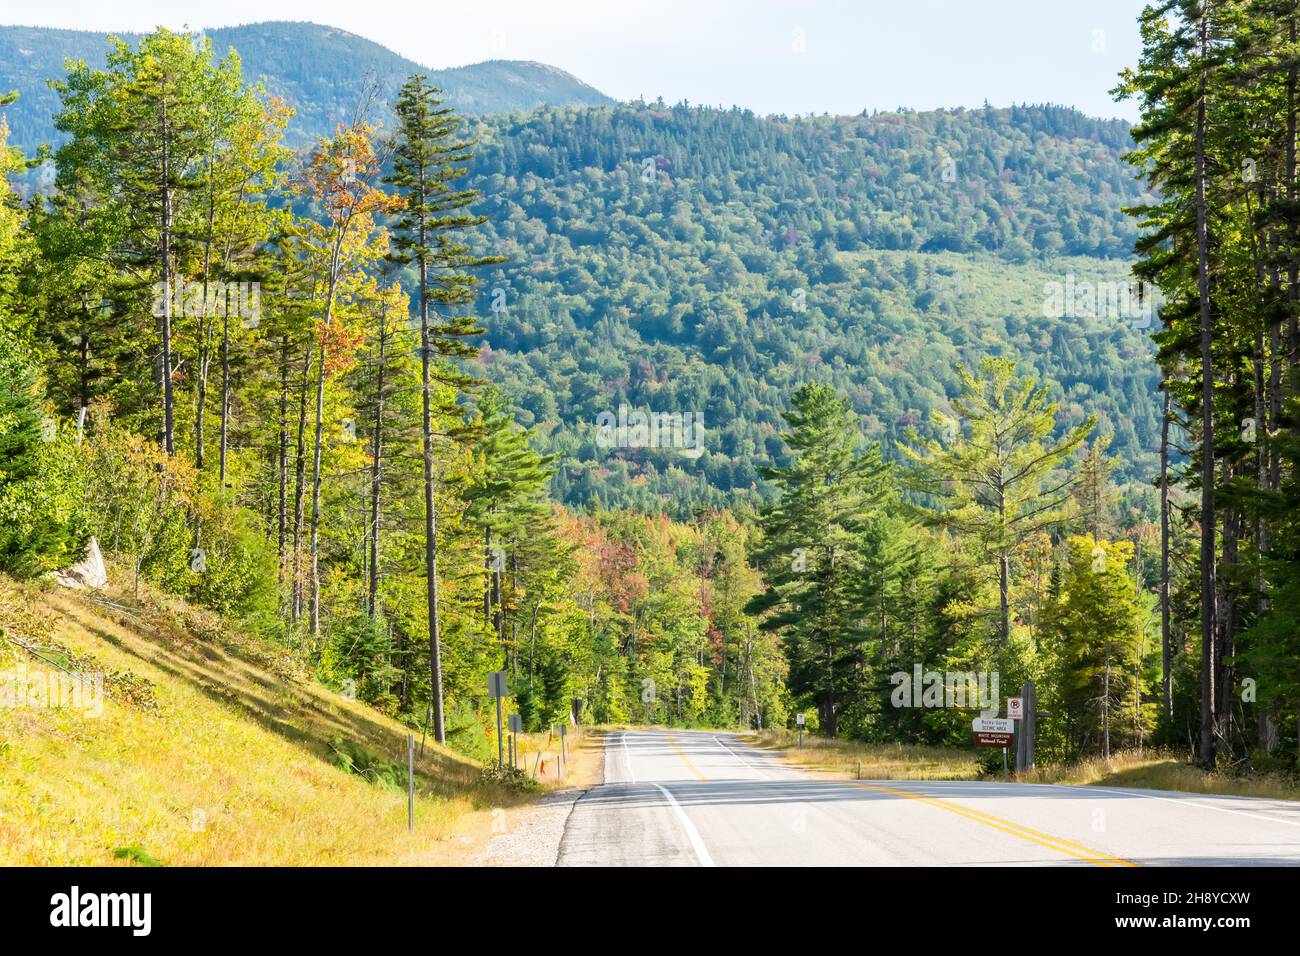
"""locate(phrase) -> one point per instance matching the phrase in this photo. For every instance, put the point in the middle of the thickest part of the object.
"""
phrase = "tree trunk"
(225, 397)
(376, 468)
(1166, 647)
(165, 252)
(1105, 713)
(283, 458)
(1004, 597)
(1209, 583)
(314, 545)
(205, 320)
(300, 464)
(430, 517)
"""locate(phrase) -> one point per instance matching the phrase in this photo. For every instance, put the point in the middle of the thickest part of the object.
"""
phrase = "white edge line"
(750, 766)
(627, 758)
(692, 834)
(1181, 803)
(1081, 789)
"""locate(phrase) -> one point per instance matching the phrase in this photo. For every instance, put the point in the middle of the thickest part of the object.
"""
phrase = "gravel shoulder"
(533, 833)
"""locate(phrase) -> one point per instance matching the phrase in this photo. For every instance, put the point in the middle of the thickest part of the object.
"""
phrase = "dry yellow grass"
(876, 761)
(1152, 770)
(1156, 770)
(539, 755)
(210, 750)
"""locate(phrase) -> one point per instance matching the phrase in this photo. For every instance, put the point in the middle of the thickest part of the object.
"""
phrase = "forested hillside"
(322, 72)
(333, 395)
(696, 260)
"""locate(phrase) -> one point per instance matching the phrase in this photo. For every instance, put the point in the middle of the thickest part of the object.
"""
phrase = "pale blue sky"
(772, 56)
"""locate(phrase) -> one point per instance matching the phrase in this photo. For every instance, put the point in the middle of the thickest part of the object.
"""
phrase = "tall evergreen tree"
(997, 475)
(811, 551)
(429, 160)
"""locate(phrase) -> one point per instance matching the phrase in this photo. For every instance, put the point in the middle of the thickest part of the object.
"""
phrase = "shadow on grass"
(289, 710)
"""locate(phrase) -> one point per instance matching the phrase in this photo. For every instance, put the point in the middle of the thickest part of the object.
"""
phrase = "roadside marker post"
(798, 719)
(1015, 711)
(516, 728)
(1028, 728)
(498, 688)
(410, 782)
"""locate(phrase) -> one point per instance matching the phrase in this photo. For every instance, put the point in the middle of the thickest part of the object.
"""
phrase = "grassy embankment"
(213, 748)
(1150, 770)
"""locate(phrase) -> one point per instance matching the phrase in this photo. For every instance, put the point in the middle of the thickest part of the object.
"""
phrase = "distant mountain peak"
(319, 69)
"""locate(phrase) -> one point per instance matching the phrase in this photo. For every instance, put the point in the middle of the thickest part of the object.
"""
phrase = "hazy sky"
(773, 56)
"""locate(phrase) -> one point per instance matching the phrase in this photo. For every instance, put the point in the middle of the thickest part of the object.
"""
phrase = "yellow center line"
(685, 759)
(1069, 847)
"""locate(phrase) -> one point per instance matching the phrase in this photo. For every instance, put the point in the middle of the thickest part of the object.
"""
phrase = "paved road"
(686, 798)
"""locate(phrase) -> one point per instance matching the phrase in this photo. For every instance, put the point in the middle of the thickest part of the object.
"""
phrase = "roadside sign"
(1015, 708)
(992, 740)
(497, 688)
(516, 725)
(799, 719)
(993, 725)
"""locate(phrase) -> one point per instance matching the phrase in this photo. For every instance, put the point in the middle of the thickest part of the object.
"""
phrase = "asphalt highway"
(689, 798)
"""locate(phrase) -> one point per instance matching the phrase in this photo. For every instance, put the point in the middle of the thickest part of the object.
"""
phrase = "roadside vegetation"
(866, 761)
(1152, 769)
(212, 748)
(264, 382)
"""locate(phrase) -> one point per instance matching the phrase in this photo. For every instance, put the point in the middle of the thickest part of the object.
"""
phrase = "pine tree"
(997, 475)
(811, 552)
(428, 162)
(137, 133)
(1092, 628)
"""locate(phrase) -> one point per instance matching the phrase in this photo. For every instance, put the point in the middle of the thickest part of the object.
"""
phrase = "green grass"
(211, 749)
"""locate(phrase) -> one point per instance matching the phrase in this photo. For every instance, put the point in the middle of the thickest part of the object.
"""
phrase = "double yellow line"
(1061, 845)
(685, 759)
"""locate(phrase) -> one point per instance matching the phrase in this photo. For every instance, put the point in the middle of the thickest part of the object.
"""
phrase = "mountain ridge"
(319, 69)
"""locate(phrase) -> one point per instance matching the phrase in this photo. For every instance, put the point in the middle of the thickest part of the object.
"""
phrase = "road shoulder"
(530, 835)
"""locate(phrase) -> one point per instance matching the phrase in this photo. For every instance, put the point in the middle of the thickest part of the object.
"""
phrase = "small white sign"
(799, 719)
(993, 725)
(1015, 708)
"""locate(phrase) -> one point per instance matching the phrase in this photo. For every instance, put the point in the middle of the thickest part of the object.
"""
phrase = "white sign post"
(799, 720)
(993, 725)
(994, 732)
(1014, 712)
